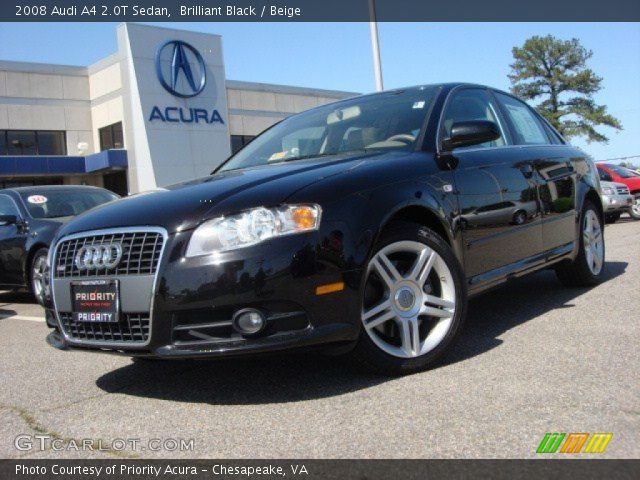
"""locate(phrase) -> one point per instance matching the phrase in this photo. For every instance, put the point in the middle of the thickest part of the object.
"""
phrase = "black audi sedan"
(360, 227)
(29, 219)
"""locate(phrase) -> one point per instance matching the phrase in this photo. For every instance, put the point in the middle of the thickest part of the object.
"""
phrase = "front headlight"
(608, 191)
(251, 227)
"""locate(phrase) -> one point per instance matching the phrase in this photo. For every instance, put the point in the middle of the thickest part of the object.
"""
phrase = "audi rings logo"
(97, 257)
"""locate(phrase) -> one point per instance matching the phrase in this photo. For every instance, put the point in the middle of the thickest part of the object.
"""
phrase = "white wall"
(34, 98)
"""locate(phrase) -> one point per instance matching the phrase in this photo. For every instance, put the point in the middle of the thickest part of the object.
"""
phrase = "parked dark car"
(29, 218)
(340, 228)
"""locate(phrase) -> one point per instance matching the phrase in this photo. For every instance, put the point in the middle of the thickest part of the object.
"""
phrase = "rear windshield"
(388, 121)
(63, 203)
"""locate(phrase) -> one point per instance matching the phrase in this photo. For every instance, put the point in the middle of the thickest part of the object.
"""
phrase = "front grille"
(132, 328)
(140, 254)
(623, 190)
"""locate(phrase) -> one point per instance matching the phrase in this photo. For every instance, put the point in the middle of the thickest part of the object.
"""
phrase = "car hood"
(604, 183)
(183, 206)
(633, 183)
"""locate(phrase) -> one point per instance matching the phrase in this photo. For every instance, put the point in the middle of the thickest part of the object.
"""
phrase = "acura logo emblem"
(187, 74)
(97, 257)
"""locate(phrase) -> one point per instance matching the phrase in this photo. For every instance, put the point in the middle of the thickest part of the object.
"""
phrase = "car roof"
(445, 85)
(49, 188)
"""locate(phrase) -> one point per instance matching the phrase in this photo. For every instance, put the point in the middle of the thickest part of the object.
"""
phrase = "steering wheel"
(401, 137)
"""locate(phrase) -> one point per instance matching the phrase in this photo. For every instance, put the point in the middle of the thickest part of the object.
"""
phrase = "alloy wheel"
(38, 276)
(635, 207)
(593, 244)
(410, 299)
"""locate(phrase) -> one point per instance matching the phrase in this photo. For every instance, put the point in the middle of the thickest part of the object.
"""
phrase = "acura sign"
(185, 77)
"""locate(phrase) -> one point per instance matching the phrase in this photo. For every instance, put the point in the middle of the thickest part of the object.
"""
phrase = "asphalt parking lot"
(534, 358)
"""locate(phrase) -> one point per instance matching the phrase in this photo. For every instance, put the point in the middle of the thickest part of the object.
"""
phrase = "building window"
(30, 142)
(51, 143)
(21, 143)
(239, 141)
(30, 182)
(111, 136)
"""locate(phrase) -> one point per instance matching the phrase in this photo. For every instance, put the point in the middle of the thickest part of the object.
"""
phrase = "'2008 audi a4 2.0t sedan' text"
(359, 227)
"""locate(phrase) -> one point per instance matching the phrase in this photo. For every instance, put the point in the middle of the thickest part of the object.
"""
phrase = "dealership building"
(158, 111)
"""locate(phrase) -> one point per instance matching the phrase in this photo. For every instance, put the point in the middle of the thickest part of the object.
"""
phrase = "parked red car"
(615, 173)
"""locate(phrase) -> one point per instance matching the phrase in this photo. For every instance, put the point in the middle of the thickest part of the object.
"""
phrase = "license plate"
(95, 301)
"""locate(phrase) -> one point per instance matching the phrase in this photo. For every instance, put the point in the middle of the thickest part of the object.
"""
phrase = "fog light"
(249, 321)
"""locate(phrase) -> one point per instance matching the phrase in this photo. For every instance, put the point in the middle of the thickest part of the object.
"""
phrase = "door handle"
(527, 170)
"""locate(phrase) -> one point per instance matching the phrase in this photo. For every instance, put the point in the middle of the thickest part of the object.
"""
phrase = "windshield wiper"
(332, 154)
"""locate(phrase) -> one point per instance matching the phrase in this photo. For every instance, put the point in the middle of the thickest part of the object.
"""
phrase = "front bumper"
(614, 203)
(192, 300)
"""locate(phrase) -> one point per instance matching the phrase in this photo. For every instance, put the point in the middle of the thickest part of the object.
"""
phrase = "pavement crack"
(37, 427)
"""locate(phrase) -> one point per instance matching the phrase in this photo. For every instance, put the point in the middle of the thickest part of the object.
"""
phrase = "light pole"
(375, 46)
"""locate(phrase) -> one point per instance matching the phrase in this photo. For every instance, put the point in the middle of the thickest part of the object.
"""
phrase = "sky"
(338, 56)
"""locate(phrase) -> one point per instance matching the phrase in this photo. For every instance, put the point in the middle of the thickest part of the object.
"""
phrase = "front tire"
(414, 301)
(634, 210)
(586, 270)
(37, 273)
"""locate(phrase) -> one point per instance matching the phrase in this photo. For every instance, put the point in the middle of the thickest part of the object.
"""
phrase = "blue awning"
(26, 165)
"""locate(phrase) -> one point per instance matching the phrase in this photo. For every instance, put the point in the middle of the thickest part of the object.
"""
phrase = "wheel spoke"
(423, 265)
(415, 336)
(446, 311)
(379, 320)
(589, 254)
(405, 337)
(597, 259)
(440, 302)
(378, 309)
(386, 270)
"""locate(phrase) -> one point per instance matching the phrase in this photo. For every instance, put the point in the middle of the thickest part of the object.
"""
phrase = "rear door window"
(527, 129)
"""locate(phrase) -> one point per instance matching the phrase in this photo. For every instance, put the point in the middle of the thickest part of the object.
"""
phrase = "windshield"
(64, 203)
(623, 172)
(376, 122)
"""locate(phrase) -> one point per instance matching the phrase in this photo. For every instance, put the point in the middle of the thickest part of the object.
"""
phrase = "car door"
(13, 238)
(555, 165)
(498, 203)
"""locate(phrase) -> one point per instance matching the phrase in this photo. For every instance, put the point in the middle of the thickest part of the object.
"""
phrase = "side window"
(527, 128)
(472, 104)
(604, 175)
(7, 207)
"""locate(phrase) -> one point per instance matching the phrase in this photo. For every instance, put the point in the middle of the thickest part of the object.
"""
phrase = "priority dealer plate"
(95, 301)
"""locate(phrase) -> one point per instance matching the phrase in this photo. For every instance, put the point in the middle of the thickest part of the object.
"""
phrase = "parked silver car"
(616, 199)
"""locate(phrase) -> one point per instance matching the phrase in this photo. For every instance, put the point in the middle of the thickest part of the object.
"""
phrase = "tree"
(555, 72)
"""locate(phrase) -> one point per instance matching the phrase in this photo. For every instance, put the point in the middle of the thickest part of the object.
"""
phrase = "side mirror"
(8, 220)
(473, 132)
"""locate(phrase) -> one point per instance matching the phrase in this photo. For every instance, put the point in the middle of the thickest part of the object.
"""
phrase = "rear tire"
(586, 270)
(414, 301)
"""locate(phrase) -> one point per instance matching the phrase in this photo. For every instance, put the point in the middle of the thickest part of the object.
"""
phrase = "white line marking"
(22, 317)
